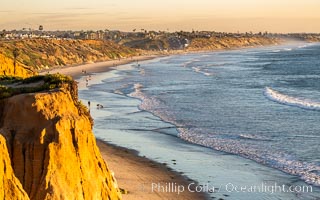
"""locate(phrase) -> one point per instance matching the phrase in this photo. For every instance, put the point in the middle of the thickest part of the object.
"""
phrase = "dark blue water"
(262, 104)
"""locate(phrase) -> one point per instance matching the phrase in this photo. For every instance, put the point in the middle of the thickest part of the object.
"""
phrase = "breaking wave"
(308, 172)
(149, 103)
(199, 70)
(291, 101)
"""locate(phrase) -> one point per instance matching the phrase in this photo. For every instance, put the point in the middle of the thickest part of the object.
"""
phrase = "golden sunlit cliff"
(10, 187)
(7, 68)
(216, 43)
(52, 152)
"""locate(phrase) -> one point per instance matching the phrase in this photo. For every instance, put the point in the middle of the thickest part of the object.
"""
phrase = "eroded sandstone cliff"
(10, 187)
(52, 149)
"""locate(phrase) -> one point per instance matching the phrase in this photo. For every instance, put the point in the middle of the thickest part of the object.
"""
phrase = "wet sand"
(141, 177)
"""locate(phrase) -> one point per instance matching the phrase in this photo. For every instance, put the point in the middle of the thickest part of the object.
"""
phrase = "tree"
(15, 56)
(3, 34)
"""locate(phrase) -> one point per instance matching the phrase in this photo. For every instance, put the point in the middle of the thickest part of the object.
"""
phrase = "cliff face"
(10, 187)
(7, 68)
(52, 149)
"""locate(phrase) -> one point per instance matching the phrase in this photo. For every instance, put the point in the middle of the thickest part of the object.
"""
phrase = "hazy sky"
(172, 15)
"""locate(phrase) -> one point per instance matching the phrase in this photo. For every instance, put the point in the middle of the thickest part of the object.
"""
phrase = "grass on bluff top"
(51, 81)
(10, 86)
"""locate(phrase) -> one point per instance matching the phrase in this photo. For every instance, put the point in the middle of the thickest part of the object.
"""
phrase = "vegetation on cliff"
(10, 85)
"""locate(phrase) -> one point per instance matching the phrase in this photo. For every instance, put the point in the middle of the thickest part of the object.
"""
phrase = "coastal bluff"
(7, 68)
(23, 57)
(48, 150)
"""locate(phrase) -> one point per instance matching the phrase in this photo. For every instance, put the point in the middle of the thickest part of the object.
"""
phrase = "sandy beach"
(78, 70)
(142, 177)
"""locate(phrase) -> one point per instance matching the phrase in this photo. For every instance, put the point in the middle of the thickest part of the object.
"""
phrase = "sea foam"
(291, 101)
(309, 172)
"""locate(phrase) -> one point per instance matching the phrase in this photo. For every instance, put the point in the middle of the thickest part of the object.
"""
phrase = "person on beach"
(89, 106)
(87, 82)
(99, 106)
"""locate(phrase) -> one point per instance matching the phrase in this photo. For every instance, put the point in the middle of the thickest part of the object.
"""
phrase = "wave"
(147, 102)
(291, 101)
(190, 62)
(309, 172)
(142, 72)
(306, 45)
(186, 64)
(196, 69)
(118, 92)
(137, 86)
(302, 46)
(199, 70)
(253, 137)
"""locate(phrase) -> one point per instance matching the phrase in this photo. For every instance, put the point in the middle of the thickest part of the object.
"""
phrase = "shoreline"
(144, 173)
(147, 179)
(76, 71)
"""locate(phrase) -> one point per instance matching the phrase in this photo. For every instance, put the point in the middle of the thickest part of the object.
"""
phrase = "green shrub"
(51, 81)
(9, 79)
(33, 79)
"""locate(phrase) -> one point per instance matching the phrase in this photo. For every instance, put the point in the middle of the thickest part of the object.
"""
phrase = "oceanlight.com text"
(268, 188)
(264, 187)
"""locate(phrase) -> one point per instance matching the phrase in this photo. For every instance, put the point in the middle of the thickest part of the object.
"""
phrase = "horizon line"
(166, 31)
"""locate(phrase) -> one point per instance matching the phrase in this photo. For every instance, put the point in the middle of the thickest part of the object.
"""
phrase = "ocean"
(231, 118)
